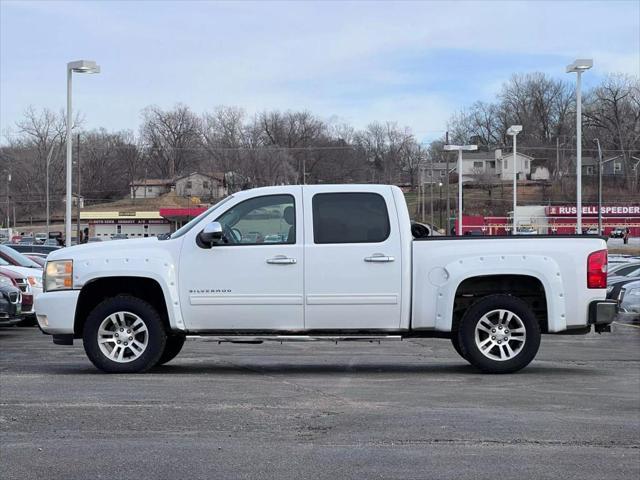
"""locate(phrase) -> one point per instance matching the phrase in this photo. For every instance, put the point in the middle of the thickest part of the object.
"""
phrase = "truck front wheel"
(499, 334)
(124, 334)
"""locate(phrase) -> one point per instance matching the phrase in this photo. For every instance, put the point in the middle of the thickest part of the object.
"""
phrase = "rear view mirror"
(211, 235)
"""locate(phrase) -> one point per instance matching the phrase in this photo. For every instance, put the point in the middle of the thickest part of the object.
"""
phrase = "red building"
(562, 218)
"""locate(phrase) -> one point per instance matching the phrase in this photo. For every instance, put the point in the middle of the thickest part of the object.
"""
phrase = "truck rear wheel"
(499, 334)
(124, 334)
(171, 349)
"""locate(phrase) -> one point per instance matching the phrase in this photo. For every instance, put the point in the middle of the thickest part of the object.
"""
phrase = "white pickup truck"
(321, 262)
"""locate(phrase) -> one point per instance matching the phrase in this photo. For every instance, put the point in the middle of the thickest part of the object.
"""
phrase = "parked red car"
(23, 285)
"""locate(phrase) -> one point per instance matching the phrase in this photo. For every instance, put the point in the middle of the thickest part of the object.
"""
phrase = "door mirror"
(211, 235)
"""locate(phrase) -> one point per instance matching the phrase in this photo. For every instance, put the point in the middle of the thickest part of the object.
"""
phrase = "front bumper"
(10, 307)
(601, 314)
(56, 311)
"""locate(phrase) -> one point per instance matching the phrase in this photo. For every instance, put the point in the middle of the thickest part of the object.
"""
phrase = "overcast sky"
(415, 63)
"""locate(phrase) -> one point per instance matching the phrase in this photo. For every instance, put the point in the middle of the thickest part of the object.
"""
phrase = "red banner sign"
(592, 210)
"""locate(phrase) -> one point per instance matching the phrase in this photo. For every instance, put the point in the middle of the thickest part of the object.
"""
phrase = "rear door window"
(350, 218)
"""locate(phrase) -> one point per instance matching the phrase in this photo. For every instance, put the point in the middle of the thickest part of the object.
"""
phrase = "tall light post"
(514, 130)
(460, 149)
(79, 66)
(579, 66)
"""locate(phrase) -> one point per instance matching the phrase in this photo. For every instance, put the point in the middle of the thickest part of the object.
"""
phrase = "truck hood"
(103, 249)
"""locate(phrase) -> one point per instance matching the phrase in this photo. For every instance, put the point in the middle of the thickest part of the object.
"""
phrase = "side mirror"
(211, 235)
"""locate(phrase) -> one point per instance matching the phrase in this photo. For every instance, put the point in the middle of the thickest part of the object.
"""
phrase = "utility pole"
(599, 187)
(8, 224)
(78, 194)
(557, 157)
(431, 192)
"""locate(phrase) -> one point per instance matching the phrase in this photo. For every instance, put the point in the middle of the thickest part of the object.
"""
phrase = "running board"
(251, 339)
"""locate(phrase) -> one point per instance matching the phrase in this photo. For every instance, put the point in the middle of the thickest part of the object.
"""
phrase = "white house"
(201, 185)
(477, 164)
(150, 187)
(506, 165)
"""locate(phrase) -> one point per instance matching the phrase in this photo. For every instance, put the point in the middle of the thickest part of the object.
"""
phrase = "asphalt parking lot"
(410, 409)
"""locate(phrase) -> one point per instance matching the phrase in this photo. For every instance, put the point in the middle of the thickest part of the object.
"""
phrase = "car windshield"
(18, 258)
(194, 221)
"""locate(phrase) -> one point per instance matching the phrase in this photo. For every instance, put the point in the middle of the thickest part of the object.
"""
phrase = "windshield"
(18, 258)
(194, 221)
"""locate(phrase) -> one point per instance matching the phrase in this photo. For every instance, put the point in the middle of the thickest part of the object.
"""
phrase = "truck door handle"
(281, 260)
(379, 258)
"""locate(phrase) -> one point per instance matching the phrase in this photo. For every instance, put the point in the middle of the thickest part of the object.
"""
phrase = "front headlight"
(35, 282)
(58, 275)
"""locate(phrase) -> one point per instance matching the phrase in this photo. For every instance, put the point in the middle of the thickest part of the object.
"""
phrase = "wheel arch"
(98, 289)
(527, 287)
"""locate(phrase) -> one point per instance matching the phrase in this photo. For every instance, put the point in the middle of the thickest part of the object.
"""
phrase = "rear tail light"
(597, 269)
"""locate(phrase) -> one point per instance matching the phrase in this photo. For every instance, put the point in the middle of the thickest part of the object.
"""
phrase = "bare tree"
(171, 138)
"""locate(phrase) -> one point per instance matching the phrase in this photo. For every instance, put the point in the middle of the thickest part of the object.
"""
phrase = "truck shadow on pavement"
(215, 369)
(333, 368)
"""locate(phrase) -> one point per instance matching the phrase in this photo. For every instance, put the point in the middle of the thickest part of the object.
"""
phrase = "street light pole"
(79, 66)
(579, 152)
(514, 130)
(578, 67)
(78, 193)
(460, 192)
(460, 148)
(67, 211)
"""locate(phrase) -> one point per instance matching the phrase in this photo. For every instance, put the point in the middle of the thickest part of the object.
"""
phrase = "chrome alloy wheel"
(500, 335)
(123, 337)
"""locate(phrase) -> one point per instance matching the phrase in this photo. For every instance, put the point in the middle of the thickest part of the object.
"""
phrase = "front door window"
(270, 219)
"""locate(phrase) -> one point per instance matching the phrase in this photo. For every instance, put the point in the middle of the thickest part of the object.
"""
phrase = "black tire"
(156, 340)
(467, 331)
(171, 349)
(455, 341)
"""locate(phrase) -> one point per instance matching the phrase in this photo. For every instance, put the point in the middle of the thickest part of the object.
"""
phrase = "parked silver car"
(629, 301)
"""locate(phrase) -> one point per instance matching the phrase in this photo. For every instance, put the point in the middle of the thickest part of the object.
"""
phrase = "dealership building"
(138, 224)
(556, 219)
(104, 225)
